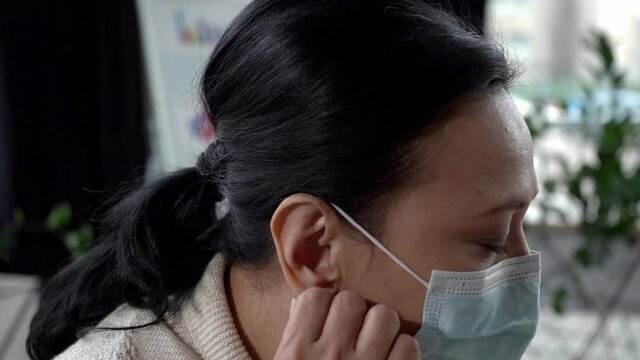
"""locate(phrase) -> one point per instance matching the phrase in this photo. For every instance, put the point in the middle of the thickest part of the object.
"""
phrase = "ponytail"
(155, 242)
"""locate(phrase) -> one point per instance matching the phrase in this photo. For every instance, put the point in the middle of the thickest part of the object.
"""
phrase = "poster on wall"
(177, 38)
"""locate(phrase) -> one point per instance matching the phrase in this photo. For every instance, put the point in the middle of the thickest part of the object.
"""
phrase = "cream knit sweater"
(203, 329)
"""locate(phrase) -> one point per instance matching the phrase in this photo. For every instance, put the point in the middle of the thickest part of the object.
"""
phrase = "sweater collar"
(209, 319)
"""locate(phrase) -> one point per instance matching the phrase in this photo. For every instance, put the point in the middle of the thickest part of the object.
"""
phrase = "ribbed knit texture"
(203, 329)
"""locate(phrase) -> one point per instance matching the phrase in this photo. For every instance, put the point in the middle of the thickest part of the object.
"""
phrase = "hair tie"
(213, 159)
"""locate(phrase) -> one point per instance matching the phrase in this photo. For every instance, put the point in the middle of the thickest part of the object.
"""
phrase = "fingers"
(405, 348)
(308, 315)
(323, 326)
(379, 330)
(344, 320)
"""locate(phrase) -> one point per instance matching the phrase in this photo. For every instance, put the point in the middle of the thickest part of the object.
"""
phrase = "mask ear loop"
(381, 246)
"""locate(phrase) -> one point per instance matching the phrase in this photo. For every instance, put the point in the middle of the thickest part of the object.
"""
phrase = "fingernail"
(293, 302)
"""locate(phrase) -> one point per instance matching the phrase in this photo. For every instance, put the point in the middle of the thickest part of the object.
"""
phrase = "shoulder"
(107, 344)
(98, 348)
(158, 341)
(100, 345)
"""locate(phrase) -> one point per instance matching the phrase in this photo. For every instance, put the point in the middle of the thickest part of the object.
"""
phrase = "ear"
(306, 230)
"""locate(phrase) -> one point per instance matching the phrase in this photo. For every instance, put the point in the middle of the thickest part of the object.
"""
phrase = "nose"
(518, 244)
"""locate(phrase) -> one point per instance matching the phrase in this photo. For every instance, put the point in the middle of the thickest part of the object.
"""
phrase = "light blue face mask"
(488, 314)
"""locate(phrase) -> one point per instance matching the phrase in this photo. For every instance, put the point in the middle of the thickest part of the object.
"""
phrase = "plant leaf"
(560, 296)
(19, 218)
(79, 241)
(549, 186)
(6, 242)
(584, 256)
(59, 217)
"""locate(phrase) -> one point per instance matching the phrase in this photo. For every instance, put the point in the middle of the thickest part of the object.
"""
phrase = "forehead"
(483, 150)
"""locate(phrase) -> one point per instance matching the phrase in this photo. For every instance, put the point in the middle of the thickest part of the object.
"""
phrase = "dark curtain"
(73, 111)
(6, 195)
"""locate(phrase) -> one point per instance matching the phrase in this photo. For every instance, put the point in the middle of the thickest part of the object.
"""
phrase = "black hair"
(323, 97)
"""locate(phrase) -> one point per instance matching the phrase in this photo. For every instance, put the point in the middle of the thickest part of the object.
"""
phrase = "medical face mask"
(488, 314)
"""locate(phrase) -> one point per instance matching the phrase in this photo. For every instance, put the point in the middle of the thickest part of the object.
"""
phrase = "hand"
(324, 326)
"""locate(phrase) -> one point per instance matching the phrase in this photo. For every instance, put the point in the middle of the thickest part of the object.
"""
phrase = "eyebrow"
(511, 204)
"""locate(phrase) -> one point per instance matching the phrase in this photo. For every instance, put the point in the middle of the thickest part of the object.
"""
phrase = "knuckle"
(314, 296)
(332, 352)
(351, 300)
(290, 352)
(385, 316)
(408, 346)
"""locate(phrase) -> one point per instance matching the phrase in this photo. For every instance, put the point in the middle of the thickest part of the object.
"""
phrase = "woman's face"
(465, 212)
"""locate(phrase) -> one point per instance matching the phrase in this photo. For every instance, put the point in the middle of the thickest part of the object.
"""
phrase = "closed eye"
(498, 249)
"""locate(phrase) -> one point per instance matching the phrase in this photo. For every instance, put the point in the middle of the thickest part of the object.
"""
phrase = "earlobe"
(304, 233)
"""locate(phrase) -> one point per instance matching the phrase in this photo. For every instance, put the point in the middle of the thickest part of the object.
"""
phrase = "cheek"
(401, 291)
(388, 283)
(426, 233)
(420, 234)
(384, 282)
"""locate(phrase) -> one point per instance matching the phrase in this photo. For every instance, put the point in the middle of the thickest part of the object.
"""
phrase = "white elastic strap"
(381, 246)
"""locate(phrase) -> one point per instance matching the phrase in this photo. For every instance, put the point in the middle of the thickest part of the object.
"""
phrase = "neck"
(260, 312)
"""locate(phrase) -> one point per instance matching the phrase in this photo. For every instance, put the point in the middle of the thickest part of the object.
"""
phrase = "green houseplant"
(606, 191)
(77, 240)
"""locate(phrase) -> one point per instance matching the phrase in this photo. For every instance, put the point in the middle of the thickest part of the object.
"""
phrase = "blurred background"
(94, 94)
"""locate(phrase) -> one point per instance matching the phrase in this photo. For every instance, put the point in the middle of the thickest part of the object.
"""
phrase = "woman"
(373, 168)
